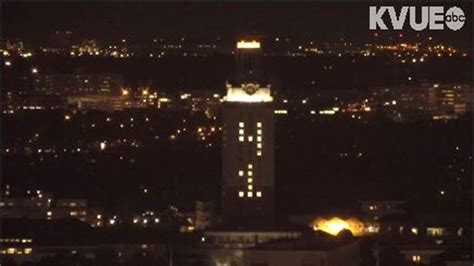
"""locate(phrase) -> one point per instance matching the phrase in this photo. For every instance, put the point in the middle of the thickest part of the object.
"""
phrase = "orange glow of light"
(335, 225)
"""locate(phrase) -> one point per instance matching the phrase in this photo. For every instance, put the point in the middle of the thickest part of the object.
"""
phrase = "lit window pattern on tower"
(241, 132)
(259, 138)
(248, 174)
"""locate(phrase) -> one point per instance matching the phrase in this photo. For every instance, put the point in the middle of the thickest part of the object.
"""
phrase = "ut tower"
(248, 143)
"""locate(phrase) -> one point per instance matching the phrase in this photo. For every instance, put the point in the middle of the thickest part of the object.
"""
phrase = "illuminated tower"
(248, 148)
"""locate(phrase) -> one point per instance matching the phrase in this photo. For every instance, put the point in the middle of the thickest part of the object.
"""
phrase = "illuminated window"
(250, 138)
(49, 213)
(250, 187)
(434, 231)
(414, 230)
(241, 124)
(416, 258)
(249, 180)
(241, 131)
(259, 131)
(372, 229)
(250, 166)
(28, 251)
(259, 194)
(241, 138)
(259, 153)
(249, 194)
(259, 125)
(73, 213)
(259, 138)
(249, 173)
(241, 173)
(241, 194)
(259, 145)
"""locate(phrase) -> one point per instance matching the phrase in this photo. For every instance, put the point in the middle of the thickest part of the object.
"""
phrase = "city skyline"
(232, 134)
(144, 22)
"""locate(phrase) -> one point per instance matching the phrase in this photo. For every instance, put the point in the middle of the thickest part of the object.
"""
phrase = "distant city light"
(281, 112)
(327, 112)
(26, 55)
(248, 45)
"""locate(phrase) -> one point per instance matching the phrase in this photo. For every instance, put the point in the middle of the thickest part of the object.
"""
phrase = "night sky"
(140, 22)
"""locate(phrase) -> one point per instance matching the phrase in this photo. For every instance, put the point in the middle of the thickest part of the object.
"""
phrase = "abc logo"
(430, 17)
(455, 18)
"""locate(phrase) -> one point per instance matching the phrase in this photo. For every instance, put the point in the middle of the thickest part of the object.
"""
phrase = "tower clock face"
(250, 89)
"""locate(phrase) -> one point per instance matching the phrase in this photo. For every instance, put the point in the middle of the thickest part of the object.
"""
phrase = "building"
(204, 215)
(375, 209)
(98, 102)
(33, 240)
(235, 239)
(35, 207)
(248, 143)
(78, 84)
(426, 101)
(41, 206)
(317, 250)
(449, 100)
